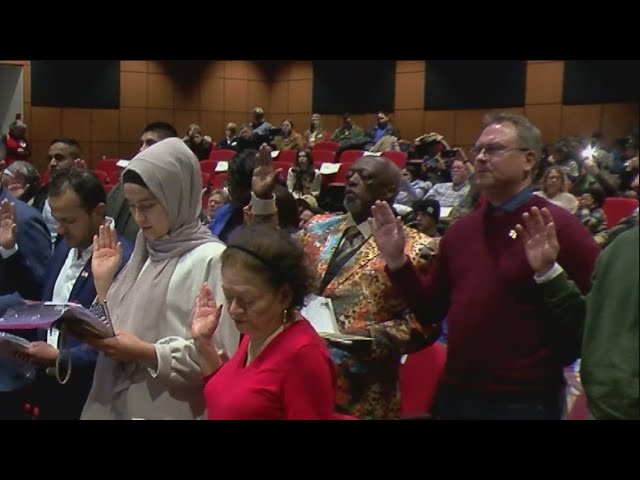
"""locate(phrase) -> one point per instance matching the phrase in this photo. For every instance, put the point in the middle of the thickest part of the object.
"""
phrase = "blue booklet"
(71, 317)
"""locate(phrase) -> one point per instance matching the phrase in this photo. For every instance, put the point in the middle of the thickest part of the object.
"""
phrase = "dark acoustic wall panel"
(355, 86)
(600, 81)
(75, 83)
(474, 84)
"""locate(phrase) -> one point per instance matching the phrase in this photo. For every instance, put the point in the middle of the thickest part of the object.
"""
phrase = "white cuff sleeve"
(163, 367)
(7, 253)
(550, 275)
(263, 207)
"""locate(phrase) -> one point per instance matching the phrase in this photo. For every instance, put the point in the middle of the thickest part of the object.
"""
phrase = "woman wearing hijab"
(151, 369)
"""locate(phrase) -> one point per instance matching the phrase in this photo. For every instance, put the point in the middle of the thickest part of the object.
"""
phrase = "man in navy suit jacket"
(28, 256)
(77, 201)
(22, 271)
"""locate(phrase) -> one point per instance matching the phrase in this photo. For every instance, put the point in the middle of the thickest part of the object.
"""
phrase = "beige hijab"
(137, 299)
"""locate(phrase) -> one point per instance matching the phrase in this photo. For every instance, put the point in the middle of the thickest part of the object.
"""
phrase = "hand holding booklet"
(14, 369)
(73, 318)
(319, 312)
(12, 344)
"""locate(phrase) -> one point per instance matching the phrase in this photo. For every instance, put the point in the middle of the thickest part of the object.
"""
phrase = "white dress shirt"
(73, 265)
(52, 223)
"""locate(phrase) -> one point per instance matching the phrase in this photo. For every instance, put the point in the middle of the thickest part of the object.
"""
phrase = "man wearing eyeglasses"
(505, 353)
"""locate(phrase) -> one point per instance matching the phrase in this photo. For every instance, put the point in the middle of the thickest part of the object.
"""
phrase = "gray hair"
(27, 170)
(31, 177)
(528, 134)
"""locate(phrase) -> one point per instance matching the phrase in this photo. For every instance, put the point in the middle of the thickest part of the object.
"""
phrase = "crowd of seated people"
(217, 307)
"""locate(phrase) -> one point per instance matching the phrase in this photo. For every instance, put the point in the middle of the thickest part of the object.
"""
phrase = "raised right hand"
(106, 259)
(8, 227)
(264, 177)
(206, 315)
(388, 234)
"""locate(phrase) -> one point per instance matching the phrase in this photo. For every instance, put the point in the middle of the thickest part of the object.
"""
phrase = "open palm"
(8, 227)
(539, 238)
(206, 315)
(264, 177)
(107, 256)
(17, 189)
(388, 234)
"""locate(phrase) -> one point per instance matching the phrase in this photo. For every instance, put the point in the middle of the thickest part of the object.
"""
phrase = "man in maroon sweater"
(505, 354)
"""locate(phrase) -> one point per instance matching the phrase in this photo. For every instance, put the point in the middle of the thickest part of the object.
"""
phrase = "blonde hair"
(223, 194)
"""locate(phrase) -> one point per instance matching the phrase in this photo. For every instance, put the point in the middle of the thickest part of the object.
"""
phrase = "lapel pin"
(513, 234)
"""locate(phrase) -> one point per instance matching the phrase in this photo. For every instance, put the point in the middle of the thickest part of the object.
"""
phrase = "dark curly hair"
(276, 256)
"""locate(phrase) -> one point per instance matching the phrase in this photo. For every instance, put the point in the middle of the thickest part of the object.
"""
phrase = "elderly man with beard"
(349, 271)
